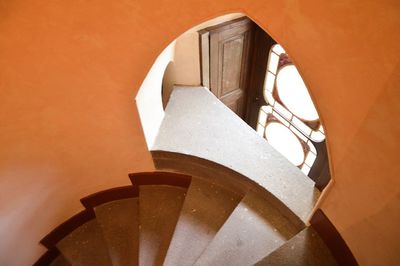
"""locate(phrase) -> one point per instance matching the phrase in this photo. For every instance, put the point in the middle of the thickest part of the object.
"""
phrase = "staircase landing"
(198, 125)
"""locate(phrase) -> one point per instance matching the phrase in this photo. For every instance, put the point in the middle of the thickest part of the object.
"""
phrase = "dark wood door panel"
(234, 101)
(229, 61)
(232, 56)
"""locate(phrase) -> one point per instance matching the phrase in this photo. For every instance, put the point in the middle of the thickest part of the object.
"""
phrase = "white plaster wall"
(149, 100)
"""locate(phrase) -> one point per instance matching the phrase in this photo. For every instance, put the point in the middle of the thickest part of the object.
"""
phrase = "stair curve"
(206, 208)
(85, 246)
(252, 231)
(209, 136)
(305, 248)
(119, 222)
(60, 261)
(159, 208)
(210, 225)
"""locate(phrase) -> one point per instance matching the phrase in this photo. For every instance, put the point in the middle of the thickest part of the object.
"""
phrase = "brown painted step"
(85, 246)
(60, 261)
(253, 230)
(204, 211)
(119, 221)
(306, 248)
(159, 208)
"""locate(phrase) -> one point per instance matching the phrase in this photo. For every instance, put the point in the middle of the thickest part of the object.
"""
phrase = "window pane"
(262, 118)
(269, 98)
(260, 130)
(294, 94)
(285, 142)
(278, 49)
(300, 125)
(283, 111)
(317, 136)
(280, 118)
(310, 158)
(273, 62)
(298, 133)
(269, 82)
(312, 147)
(305, 169)
(267, 109)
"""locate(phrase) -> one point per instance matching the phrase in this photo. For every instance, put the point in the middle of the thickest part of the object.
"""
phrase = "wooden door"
(225, 62)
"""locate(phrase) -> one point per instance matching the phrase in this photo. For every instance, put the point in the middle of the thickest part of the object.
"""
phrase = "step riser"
(159, 209)
(205, 210)
(85, 246)
(119, 221)
(252, 231)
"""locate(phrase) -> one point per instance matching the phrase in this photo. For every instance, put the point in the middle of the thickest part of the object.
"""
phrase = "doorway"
(253, 76)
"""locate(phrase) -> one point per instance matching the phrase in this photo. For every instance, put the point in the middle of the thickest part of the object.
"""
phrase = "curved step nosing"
(105, 196)
(196, 166)
(61, 231)
(160, 178)
(48, 257)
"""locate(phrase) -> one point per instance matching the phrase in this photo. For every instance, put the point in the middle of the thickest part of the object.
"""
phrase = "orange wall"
(69, 71)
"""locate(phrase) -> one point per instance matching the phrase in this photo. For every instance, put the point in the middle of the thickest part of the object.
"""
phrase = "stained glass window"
(289, 121)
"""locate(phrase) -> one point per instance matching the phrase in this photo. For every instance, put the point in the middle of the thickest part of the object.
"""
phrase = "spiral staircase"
(174, 219)
(212, 203)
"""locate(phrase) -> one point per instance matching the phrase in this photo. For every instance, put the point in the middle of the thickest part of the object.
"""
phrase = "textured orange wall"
(69, 71)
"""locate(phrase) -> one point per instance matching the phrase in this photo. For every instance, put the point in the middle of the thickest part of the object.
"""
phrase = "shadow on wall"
(167, 83)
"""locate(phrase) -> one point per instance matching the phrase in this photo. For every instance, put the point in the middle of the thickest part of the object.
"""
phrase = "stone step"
(159, 209)
(206, 208)
(197, 126)
(306, 248)
(119, 221)
(85, 246)
(60, 261)
(252, 231)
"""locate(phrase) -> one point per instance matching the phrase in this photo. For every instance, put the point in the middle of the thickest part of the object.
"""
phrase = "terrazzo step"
(60, 261)
(206, 208)
(159, 208)
(252, 231)
(119, 221)
(85, 246)
(200, 135)
(306, 248)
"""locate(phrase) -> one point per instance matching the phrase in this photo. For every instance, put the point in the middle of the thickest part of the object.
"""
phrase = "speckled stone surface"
(306, 248)
(119, 221)
(60, 261)
(196, 123)
(159, 208)
(204, 211)
(85, 246)
(252, 231)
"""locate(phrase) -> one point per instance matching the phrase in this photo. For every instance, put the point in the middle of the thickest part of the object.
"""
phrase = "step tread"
(306, 248)
(159, 208)
(119, 221)
(206, 208)
(85, 246)
(60, 261)
(252, 231)
(197, 124)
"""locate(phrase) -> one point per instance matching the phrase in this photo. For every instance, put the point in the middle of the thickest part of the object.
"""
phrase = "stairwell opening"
(280, 110)
(166, 208)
